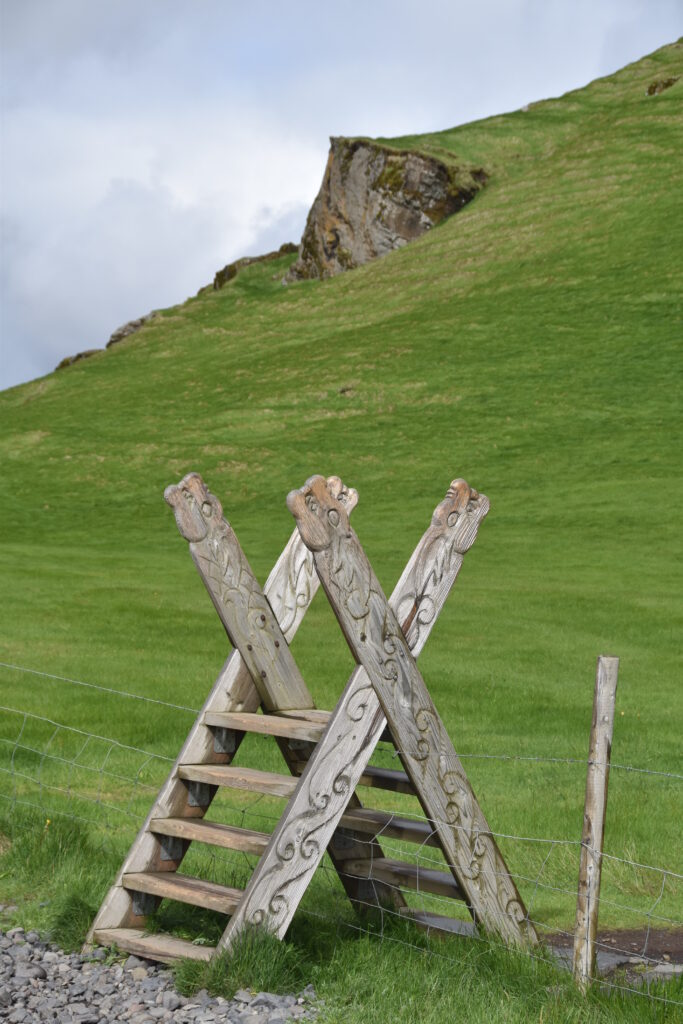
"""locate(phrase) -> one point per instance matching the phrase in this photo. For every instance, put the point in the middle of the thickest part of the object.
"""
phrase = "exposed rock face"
(374, 199)
(119, 334)
(130, 328)
(70, 360)
(658, 86)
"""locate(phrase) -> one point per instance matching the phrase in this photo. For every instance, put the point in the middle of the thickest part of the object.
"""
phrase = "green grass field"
(531, 344)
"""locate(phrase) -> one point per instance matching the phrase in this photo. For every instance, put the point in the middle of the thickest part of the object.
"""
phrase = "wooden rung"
(239, 778)
(232, 838)
(437, 922)
(267, 725)
(383, 824)
(411, 876)
(379, 778)
(185, 889)
(387, 778)
(321, 717)
(315, 715)
(166, 948)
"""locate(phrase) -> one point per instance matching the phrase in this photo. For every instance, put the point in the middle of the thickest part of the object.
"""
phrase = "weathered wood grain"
(239, 777)
(230, 837)
(353, 730)
(167, 948)
(407, 874)
(597, 780)
(266, 725)
(184, 888)
(386, 824)
(242, 606)
(378, 643)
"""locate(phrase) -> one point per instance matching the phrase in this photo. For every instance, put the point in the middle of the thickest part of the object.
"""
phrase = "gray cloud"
(144, 146)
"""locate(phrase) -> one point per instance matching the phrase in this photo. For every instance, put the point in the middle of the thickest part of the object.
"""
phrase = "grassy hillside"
(531, 344)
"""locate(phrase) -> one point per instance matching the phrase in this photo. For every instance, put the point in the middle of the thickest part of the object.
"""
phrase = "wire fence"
(49, 770)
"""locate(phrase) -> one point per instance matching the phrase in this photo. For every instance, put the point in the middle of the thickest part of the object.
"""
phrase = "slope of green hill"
(532, 344)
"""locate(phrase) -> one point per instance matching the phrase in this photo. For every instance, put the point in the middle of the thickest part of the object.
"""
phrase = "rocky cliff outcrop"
(231, 270)
(374, 199)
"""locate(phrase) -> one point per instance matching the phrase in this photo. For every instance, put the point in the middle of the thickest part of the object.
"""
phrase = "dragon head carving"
(195, 508)
(461, 512)
(321, 510)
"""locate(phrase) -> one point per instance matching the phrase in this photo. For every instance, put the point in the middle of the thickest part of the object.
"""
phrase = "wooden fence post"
(597, 778)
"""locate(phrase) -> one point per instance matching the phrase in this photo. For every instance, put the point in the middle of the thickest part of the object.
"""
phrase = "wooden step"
(267, 725)
(387, 778)
(228, 836)
(437, 922)
(239, 778)
(410, 876)
(321, 717)
(185, 889)
(383, 824)
(166, 948)
(282, 785)
(377, 778)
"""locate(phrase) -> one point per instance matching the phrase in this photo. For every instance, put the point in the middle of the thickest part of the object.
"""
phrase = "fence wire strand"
(33, 764)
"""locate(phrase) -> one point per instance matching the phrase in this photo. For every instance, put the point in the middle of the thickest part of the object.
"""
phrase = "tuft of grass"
(70, 919)
(364, 978)
(258, 961)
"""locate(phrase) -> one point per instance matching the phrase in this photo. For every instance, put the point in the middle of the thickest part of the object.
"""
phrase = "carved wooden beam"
(241, 605)
(378, 643)
(355, 726)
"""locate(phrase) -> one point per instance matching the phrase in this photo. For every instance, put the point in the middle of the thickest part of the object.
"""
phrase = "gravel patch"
(39, 982)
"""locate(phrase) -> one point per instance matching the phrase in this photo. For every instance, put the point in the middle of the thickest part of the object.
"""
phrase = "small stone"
(171, 1000)
(134, 961)
(242, 996)
(264, 999)
(30, 971)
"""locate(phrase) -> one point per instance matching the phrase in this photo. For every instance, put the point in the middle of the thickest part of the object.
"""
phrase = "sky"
(144, 145)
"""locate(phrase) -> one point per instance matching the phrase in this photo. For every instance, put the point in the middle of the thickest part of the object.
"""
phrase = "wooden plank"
(241, 604)
(290, 588)
(597, 781)
(185, 889)
(378, 643)
(338, 762)
(440, 923)
(411, 876)
(266, 725)
(166, 948)
(230, 837)
(323, 717)
(386, 825)
(315, 715)
(391, 779)
(238, 777)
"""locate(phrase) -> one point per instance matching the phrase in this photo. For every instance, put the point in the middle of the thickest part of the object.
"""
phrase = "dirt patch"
(635, 955)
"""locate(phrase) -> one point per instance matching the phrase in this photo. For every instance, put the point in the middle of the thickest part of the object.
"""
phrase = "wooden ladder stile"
(327, 753)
